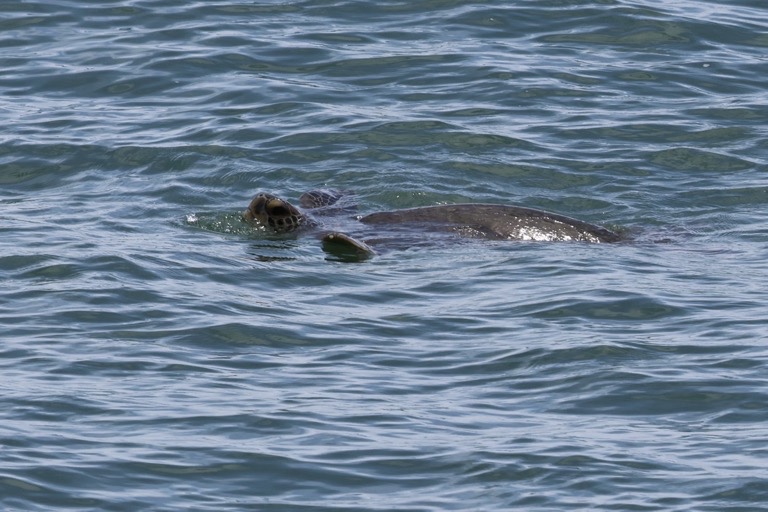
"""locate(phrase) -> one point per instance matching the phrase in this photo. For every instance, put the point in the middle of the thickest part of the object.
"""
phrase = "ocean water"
(158, 354)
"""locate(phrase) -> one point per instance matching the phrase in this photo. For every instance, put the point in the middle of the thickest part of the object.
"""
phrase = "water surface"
(150, 363)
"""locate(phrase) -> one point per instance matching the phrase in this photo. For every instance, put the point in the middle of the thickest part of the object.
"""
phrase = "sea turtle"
(467, 220)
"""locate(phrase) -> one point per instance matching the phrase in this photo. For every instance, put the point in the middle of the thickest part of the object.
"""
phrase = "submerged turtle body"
(468, 220)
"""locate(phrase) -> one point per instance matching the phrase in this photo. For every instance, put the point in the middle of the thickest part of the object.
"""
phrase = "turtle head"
(275, 213)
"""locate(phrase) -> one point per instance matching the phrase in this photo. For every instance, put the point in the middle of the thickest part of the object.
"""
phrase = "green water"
(154, 363)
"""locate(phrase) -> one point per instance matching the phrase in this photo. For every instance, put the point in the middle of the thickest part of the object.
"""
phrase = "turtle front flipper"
(346, 248)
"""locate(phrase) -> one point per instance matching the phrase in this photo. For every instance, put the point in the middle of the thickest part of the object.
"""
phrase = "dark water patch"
(216, 336)
(665, 133)
(506, 170)
(52, 272)
(630, 309)
(50, 166)
(702, 161)
(15, 263)
(636, 394)
(737, 114)
(719, 197)
(335, 38)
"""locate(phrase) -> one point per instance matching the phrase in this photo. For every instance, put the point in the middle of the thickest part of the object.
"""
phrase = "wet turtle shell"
(467, 220)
